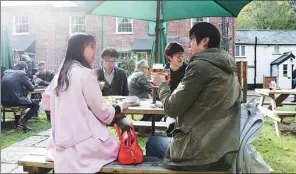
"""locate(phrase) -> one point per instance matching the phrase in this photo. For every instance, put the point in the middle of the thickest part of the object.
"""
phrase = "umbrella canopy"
(7, 57)
(161, 11)
(162, 42)
(170, 10)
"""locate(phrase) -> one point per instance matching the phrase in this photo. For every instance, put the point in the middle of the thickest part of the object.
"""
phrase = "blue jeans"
(156, 146)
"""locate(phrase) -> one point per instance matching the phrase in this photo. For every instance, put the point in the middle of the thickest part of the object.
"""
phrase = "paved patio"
(11, 154)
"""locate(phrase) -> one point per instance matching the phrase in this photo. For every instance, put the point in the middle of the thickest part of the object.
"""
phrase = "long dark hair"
(76, 46)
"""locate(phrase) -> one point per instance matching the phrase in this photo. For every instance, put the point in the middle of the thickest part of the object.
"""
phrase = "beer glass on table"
(156, 68)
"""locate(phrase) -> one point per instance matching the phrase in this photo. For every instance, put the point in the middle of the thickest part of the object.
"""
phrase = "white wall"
(264, 57)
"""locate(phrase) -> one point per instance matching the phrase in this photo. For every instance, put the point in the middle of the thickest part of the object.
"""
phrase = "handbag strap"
(118, 131)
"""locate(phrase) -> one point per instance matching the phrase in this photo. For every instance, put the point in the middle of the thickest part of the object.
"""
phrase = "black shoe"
(24, 127)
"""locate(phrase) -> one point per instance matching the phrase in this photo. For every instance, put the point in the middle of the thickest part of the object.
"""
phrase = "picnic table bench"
(35, 163)
(16, 110)
(276, 101)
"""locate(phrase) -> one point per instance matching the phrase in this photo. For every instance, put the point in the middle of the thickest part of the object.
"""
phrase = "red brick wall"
(50, 26)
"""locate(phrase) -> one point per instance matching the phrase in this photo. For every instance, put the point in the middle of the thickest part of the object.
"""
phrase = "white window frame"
(205, 19)
(70, 25)
(117, 32)
(240, 51)
(141, 53)
(285, 74)
(14, 25)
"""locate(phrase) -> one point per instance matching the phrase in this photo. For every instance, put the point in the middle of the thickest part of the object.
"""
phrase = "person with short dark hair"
(15, 86)
(44, 76)
(174, 53)
(114, 77)
(206, 105)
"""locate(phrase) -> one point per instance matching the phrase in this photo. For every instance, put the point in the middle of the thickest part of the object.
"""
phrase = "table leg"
(262, 100)
(153, 125)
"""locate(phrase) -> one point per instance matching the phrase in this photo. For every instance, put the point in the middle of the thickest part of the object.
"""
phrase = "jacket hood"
(218, 58)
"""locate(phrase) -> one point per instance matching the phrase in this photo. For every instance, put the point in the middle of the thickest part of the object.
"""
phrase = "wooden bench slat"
(269, 113)
(158, 125)
(284, 103)
(150, 165)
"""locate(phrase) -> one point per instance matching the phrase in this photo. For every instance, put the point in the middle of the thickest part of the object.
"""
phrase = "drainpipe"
(255, 63)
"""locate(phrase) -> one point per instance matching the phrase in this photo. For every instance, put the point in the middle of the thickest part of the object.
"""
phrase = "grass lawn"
(10, 135)
(278, 152)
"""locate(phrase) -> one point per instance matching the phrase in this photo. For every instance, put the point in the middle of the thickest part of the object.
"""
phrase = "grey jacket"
(118, 85)
(139, 85)
(248, 159)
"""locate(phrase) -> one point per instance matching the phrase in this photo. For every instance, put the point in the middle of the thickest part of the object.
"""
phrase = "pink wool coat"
(79, 142)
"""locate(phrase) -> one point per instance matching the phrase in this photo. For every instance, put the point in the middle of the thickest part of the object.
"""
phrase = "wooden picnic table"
(145, 107)
(277, 97)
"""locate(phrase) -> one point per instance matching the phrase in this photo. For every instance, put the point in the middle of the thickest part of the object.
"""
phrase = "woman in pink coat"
(80, 141)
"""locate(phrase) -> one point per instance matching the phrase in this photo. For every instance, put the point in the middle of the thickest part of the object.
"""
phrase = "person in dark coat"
(114, 77)
(42, 78)
(15, 86)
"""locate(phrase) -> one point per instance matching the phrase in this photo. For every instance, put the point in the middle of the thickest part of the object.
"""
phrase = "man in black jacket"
(15, 86)
(176, 66)
(114, 77)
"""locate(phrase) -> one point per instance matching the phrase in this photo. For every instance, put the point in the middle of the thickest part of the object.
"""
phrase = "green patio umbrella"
(162, 42)
(7, 57)
(161, 11)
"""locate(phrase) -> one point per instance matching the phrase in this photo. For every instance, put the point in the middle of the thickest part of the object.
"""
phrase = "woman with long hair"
(80, 141)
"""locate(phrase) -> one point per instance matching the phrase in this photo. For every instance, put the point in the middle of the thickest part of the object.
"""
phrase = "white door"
(285, 75)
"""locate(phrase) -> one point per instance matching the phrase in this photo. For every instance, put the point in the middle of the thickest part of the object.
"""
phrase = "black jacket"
(176, 76)
(46, 78)
(119, 83)
(15, 86)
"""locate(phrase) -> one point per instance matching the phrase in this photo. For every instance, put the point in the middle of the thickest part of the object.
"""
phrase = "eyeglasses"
(112, 61)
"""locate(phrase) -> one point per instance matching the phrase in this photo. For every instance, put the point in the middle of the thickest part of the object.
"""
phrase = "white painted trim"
(207, 20)
(116, 29)
(14, 29)
(70, 25)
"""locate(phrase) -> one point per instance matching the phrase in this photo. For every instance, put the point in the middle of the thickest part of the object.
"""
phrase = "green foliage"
(267, 15)
(128, 64)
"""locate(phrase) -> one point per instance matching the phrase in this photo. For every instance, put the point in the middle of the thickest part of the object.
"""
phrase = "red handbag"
(130, 152)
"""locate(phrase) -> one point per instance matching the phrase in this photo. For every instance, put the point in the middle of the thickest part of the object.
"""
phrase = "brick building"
(45, 30)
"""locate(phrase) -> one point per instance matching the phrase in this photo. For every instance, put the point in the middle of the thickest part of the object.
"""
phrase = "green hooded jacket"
(206, 106)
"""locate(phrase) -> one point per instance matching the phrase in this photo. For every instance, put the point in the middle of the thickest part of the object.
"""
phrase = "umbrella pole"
(156, 45)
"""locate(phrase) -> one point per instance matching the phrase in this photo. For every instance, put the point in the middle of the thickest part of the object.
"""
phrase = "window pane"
(124, 25)
(243, 51)
(236, 50)
(285, 70)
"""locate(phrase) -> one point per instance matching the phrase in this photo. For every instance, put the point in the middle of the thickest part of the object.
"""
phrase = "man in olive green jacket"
(206, 106)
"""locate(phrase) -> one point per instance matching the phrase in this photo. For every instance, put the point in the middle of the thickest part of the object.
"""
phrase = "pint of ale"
(157, 68)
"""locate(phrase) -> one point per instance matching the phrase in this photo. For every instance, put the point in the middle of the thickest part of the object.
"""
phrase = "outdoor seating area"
(159, 86)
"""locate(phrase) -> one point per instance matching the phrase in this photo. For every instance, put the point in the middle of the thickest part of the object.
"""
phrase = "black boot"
(23, 125)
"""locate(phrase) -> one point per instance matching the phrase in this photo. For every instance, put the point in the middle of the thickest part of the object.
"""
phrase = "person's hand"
(124, 123)
(157, 79)
(123, 105)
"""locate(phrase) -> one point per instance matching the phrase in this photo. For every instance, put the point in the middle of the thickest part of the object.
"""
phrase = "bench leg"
(16, 119)
(36, 169)
(153, 125)
(277, 128)
(3, 116)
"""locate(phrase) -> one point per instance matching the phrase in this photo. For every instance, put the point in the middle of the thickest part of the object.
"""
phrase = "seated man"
(206, 105)
(174, 53)
(139, 85)
(42, 78)
(114, 77)
(15, 86)
(138, 82)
